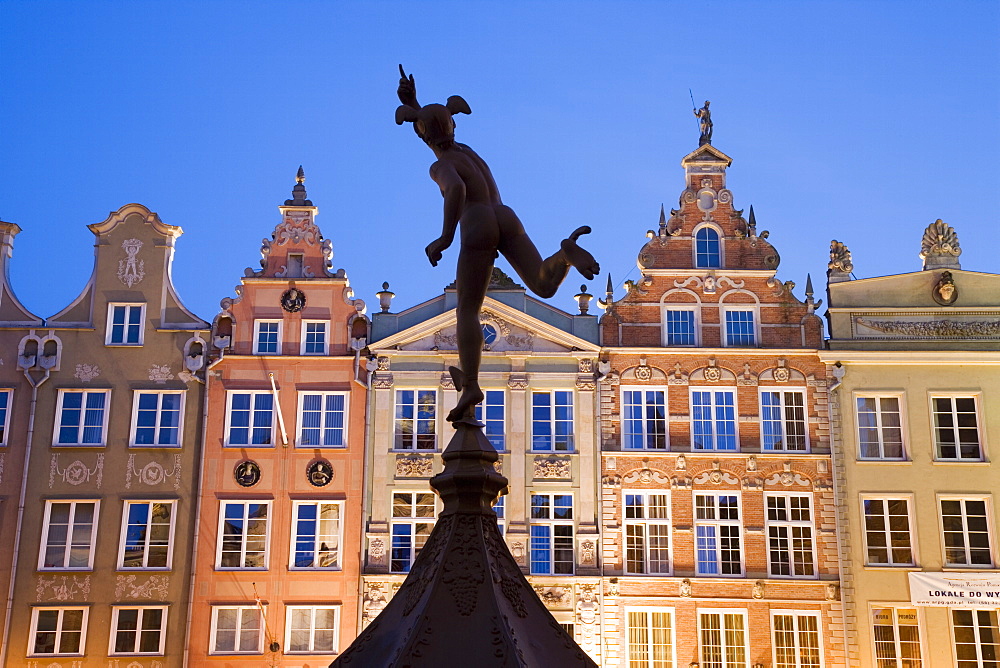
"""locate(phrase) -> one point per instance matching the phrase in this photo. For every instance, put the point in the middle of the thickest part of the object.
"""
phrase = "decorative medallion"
(131, 272)
(293, 300)
(87, 372)
(319, 473)
(489, 334)
(945, 293)
(247, 473)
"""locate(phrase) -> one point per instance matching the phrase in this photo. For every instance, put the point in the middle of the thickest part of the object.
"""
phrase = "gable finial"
(299, 190)
(300, 176)
(663, 221)
(939, 247)
(752, 223)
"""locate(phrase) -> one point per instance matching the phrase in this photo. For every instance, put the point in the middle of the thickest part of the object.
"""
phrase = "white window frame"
(142, 324)
(243, 541)
(83, 410)
(69, 533)
(256, 336)
(5, 413)
(718, 523)
(987, 499)
(647, 612)
(302, 339)
(782, 407)
(722, 612)
(323, 416)
(339, 565)
(551, 523)
(796, 614)
(715, 431)
(498, 441)
(911, 529)
(116, 609)
(413, 437)
(410, 520)
(645, 434)
(33, 632)
(289, 609)
(976, 627)
(977, 399)
(500, 508)
(170, 536)
(897, 644)
(789, 539)
(242, 609)
(229, 415)
(159, 408)
(693, 308)
(900, 398)
(552, 421)
(646, 522)
(724, 309)
(694, 245)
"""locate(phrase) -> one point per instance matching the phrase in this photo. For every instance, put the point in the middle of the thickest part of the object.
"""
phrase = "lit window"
(322, 419)
(717, 534)
(977, 637)
(146, 535)
(880, 431)
(157, 418)
(491, 413)
(314, 339)
(796, 640)
(138, 630)
(679, 326)
(83, 417)
(237, 630)
(644, 420)
(887, 532)
(58, 631)
(267, 337)
(707, 254)
(243, 534)
(783, 420)
(68, 533)
(897, 637)
(650, 638)
(250, 419)
(125, 324)
(552, 421)
(740, 330)
(551, 534)
(498, 508)
(412, 521)
(713, 419)
(416, 420)
(317, 534)
(647, 533)
(966, 527)
(5, 412)
(956, 430)
(723, 636)
(311, 629)
(790, 536)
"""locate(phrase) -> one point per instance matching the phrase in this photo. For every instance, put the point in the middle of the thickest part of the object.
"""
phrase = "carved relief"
(588, 552)
(747, 378)
(297, 227)
(517, 551)
(77, 472)
(155, 587)
(383, 363)
(939, 239)
(517, 382)
(832, 592)
(612, 588)
(680, 464)
(716, 476)
(611, 480)
(935, 328)
(685, 589)
(87, 372)
(752, 463)
(153, 473)
(586, 383)
(840, 258)
(945, 291)
(713, 373)
(130, 271)
(447, 382)
(554, 597)
(414, 466)
(382, 381)
(587, 613)
(374, 602)
(586, 365)
(646, 475)
(786, 477)
(780, 373)
(643, 372)
(758, 589)
(160, 373)
(677, 377)
(62, 587)
(376, 550)
(552, 467)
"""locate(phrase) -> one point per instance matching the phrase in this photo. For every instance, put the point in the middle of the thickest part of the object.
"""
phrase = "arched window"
(707, 248)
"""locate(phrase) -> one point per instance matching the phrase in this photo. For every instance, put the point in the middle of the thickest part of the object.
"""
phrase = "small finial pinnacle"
(611, 288)
(663, 217)
(809, 285)
(300, 176)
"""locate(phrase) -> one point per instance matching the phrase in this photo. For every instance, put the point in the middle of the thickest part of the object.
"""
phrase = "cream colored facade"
(916, 418)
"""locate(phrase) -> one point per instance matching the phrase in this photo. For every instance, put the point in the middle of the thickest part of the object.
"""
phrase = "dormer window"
(125, 324)
(267, 337)
(707, 252)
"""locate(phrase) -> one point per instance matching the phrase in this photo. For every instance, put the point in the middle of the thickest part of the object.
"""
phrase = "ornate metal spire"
(751, 224)
(663, 222)
(299, 191)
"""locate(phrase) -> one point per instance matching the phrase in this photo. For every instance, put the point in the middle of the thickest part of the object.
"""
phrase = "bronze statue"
(705, 123)
(472, 205)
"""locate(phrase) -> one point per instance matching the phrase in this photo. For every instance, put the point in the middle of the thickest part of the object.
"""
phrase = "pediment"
(707, 153)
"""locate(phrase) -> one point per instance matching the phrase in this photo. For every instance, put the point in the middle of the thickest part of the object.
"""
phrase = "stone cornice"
(910, 357)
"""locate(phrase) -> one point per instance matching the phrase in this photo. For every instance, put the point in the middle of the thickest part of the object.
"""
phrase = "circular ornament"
(152, 474)
(293, 300)
(489, 334)
(319, 473)
(247, 473)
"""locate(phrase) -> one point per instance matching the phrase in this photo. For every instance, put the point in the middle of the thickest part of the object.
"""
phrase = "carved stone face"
(946, 290)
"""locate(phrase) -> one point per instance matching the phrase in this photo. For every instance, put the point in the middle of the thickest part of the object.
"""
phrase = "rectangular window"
(956, 429)
(498, 508)
(896, 632)
(965, 524)
(552, 421)
(723, 636)
(237, 630)
(314, 339)
(317, 534)
(322, 420)
(138, 630)
(416, 420)
(243, 534)
(157, 418)
(880, 427)
(68, 533)
(650, 638)
(58, 631)
(491, 413)
(311, 629)
(644, 419)
(679, 327)
(412, 521)
(713, 420)
(250, 419)
(740, 330)
(717, 534)
(551, 534)
(6, 397)
(783, 420)
(147, 533)
(977, 637)
(647, 533)
(83, 417)
(796, 640)
(790, 536)
(887, 532)
(125, 324)
(267, 337)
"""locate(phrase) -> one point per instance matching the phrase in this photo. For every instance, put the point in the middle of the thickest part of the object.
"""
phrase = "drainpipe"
(362, 545)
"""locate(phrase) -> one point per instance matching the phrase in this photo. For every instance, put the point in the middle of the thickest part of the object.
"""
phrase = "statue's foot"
(579, 258)
(465, 409)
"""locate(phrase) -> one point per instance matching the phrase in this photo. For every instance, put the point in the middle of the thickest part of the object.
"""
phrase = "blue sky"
(860, 121)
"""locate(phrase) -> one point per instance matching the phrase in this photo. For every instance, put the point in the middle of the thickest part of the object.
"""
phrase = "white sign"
(955, 590)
